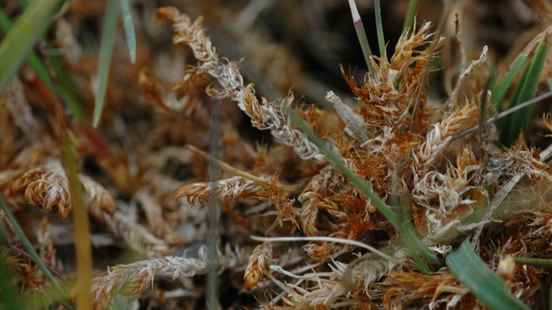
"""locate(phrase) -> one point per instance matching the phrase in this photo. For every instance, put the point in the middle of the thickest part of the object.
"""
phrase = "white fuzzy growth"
(467, 75)
(356, 127)
(142, 274)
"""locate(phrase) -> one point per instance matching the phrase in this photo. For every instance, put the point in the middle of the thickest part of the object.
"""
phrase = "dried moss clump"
(225, 172)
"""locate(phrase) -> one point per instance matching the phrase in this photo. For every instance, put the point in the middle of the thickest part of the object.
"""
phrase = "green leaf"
(501, 88)
(468, 268)
(416, 248)
(519, 121)
(379, 29)
(361, 34)
(129, 29)
(28, 29)
(542, 262)
(337, 161)
(61, 88)
(109, 32)
(66, 86)
(29, 247)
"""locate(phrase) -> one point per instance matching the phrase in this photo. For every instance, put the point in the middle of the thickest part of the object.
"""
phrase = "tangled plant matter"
(358, 201)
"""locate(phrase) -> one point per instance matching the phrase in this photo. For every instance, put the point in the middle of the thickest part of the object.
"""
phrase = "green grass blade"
(515, 124)
(542, 262)
(501, 88)
(66, 86)
(410, 16)
(29, 247)
(379, 28)
(468, 268)
(416, 248)
(401, 222)
(361, 33)
(338, 163)
(27, 30)
(129, 29)
(109, 32)
(41, 71)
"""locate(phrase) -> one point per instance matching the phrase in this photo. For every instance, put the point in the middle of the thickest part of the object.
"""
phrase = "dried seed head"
(259, 262)
(44, 186)
(265, 115)
(228, 190)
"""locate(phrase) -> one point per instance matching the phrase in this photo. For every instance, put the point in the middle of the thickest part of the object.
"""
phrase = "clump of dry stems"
(321, 244)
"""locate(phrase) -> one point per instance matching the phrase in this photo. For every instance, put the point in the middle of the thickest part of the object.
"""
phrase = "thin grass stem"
(325, 239)
(379, 29)
(109, 33)
(130, 32)
(361, 34)
(29, 247)
(81, 227)
(26, 31)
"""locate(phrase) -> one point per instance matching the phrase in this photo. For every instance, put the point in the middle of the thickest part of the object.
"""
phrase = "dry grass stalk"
(196, 195)
(265, 115)
(258, 265)
(133, 279)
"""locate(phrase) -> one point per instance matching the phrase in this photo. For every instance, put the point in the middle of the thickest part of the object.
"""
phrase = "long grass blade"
(410, 16)
(26, 31)
(379, 29)
(468, 268)
(515, 124)
(109, 32)
(501, 88)
(41, 71)
(29, 247)
(361, 34)
(542, 262)
(81, 226)
(400, 221)
(337, 162)
(130, 32)
(416, 248)
(64, 86)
